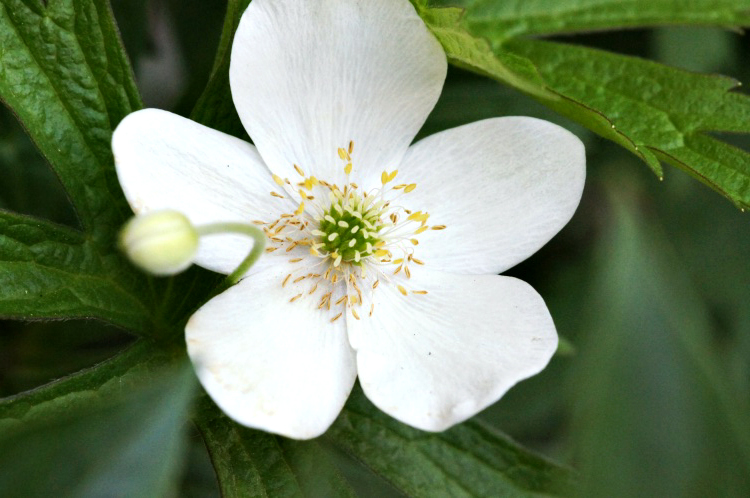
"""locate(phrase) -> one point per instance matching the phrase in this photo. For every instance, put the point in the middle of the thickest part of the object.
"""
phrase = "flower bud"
(161, 243)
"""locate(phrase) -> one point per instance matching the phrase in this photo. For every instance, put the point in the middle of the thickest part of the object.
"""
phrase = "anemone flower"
(383, 256)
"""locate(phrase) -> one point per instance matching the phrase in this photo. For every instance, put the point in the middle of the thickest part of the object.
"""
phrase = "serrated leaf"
(113, 430)
(655, 111)
(51, 271)
(654, 412)
(510, 19)
(468, 460)
(66, 77)
(475, 54)
(251, 463)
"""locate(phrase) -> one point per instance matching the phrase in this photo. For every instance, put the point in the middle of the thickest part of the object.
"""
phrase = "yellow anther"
(351, 146)
(417, 261)
(381, 252)
(411, 187)
(438, 227)
(299, 170)
(295, 260)
(421, 229)
(392, 175)
(314, 252)
(286, 280)
(295, 298)
(419, 216)
(422, 292)
(336, 317)
(375, 285)
(354, 313)
(398, 261)
(278, 180)
(407, 272)
(402, 290)
(343, 154)
(414, 241)
(384, 177)
(275, 194)
(348, 168)
(303, 194)
(300, 209)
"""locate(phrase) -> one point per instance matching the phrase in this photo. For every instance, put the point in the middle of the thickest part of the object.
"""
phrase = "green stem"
(259, 243)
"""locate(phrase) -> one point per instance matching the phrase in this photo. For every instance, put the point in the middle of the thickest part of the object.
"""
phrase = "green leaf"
(113, 430)
(51, 271)
(66, 77)
(251, 463)
(510, 19)
(215, 107)
(475, 54)
(654, 412)
(656, 112)
(467, 460)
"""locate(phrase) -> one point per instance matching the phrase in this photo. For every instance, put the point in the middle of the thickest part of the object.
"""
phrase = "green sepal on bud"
(161, 243)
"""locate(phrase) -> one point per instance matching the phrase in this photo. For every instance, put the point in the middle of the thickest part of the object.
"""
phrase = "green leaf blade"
(654, 110)
(511, 19)
(252, 463)
(52, 272)
(468, 460)
(118, 426)
(66, 77)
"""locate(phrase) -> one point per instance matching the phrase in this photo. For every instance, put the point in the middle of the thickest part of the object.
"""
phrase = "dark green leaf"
(215, 107)
(504, 20)
(467, 460)
(66, 77)
(655, 111)
(251, 463)
(50, 271)
(116, 430)
(654, 412)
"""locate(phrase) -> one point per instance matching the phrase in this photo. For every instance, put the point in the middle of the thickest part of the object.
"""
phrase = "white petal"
(434, 360)
(270, 364)
(309, 76)
(503, 187)
(165, 161)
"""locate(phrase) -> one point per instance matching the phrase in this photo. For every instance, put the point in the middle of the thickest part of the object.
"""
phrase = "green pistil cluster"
(356, 234)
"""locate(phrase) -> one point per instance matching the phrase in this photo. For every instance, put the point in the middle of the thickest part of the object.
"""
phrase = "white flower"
(382, 257)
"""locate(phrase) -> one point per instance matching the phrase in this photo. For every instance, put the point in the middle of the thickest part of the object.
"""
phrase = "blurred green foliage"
(650, 282)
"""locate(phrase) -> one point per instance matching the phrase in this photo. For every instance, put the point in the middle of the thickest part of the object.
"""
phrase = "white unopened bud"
(161, 243)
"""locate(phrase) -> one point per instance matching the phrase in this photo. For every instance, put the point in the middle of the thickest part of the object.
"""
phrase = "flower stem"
(259, 243)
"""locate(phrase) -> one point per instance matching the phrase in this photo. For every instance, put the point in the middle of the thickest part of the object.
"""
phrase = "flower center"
(357, 239)
(349, 228)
